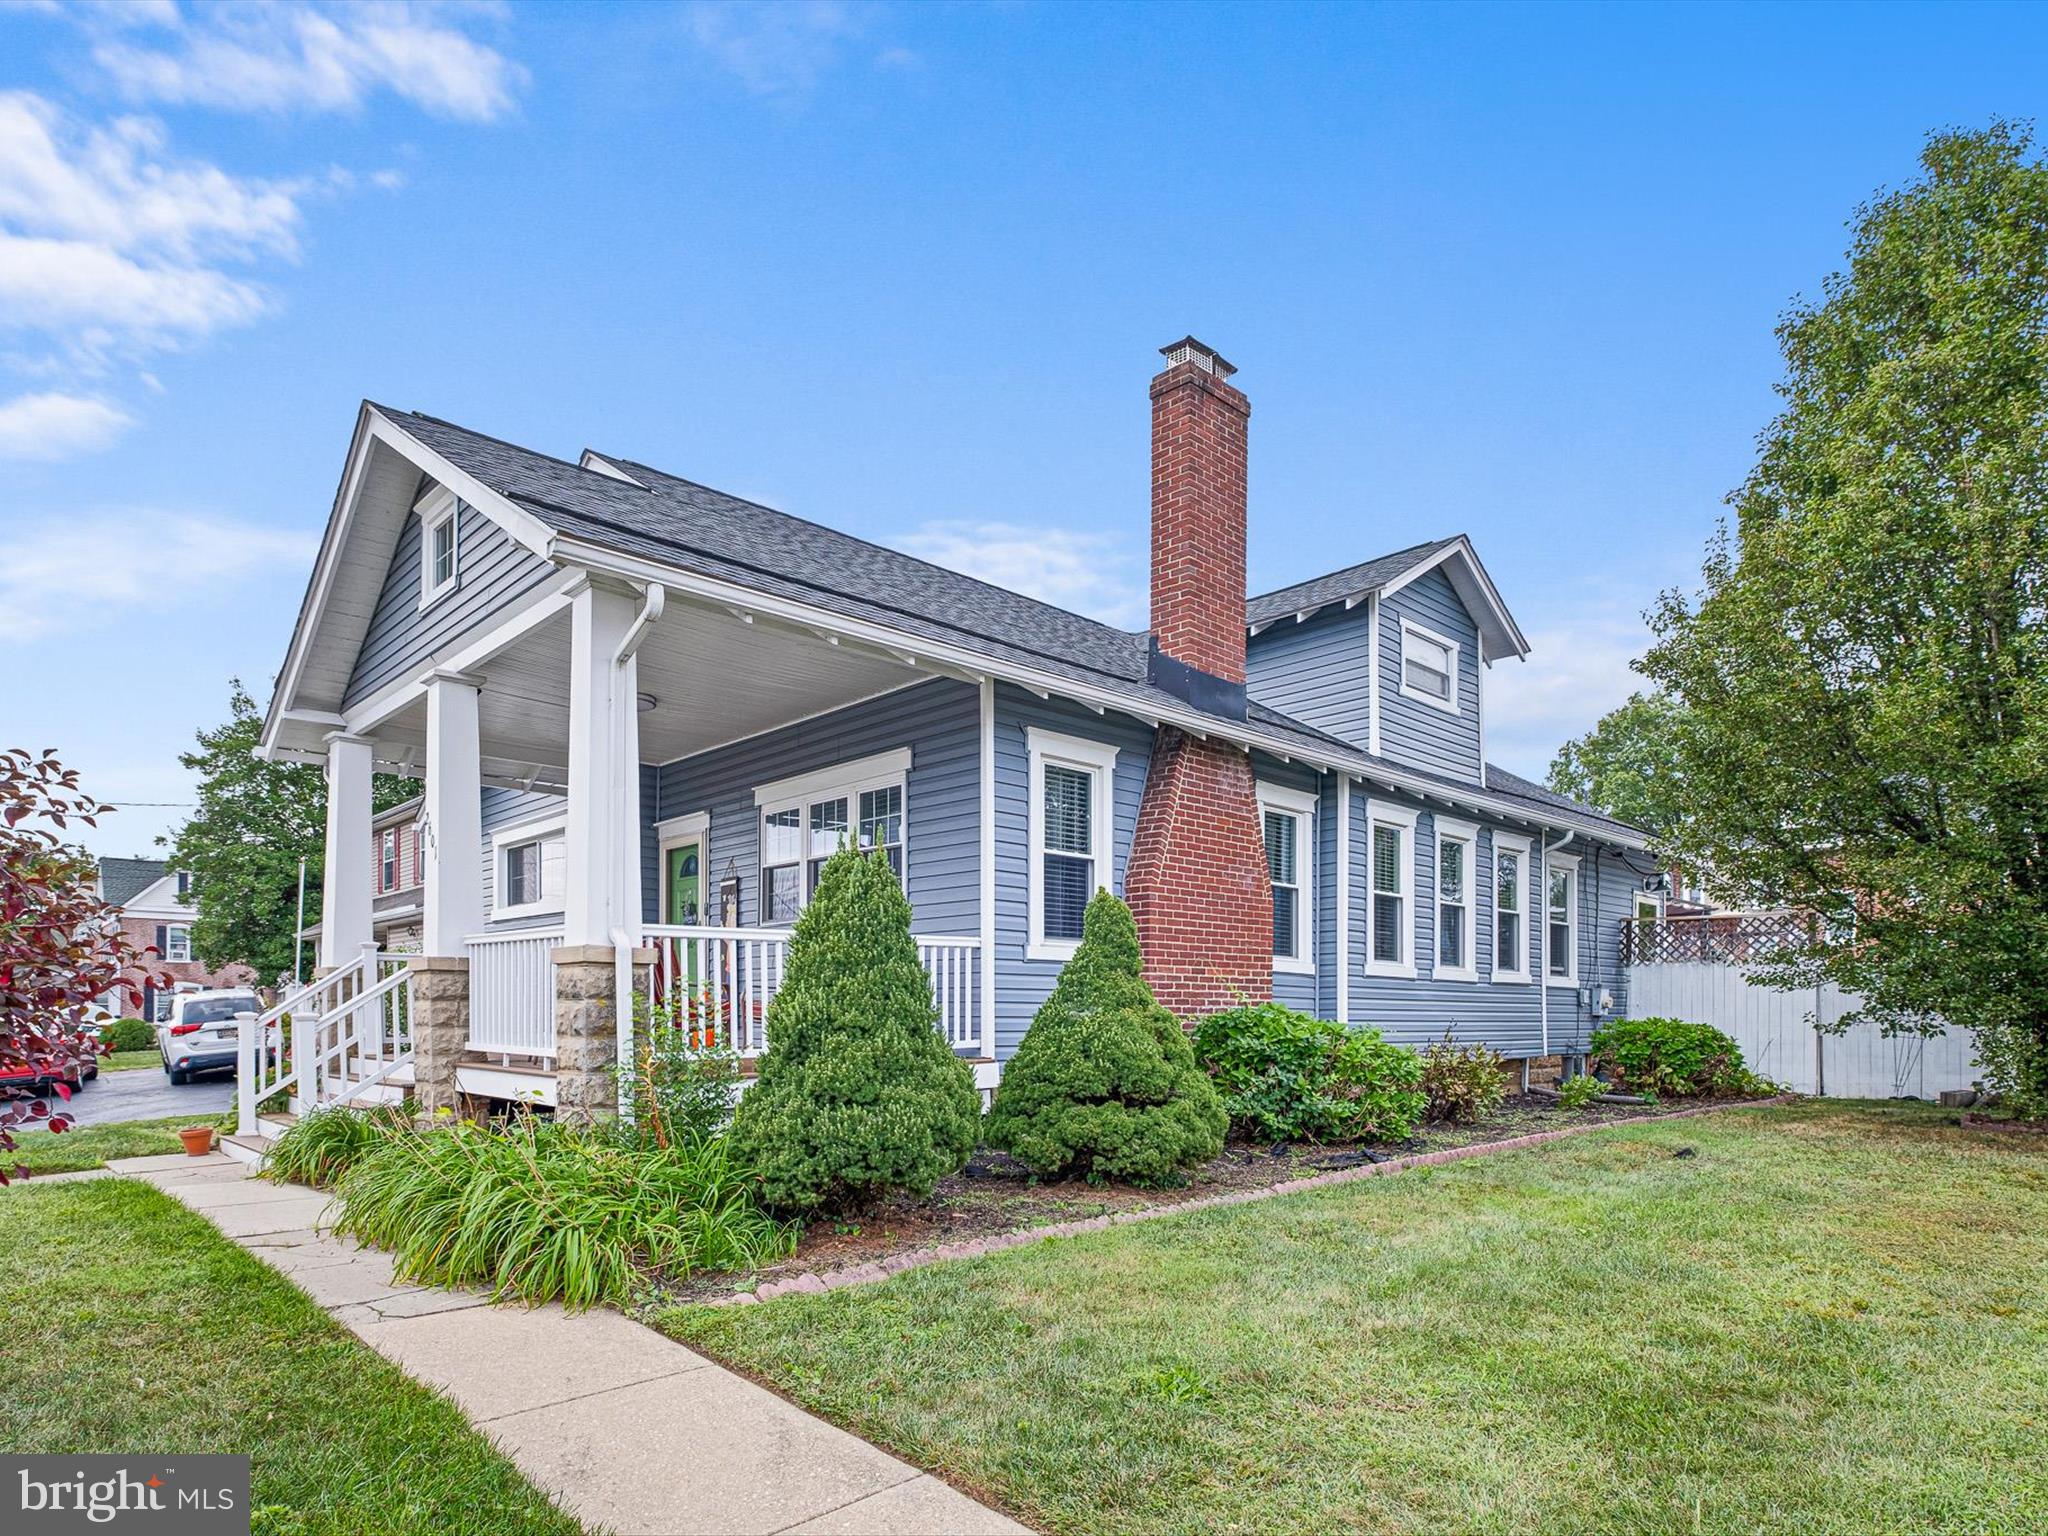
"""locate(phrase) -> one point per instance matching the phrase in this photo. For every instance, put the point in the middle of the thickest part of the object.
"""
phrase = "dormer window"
(440, 544)
(1429, 667)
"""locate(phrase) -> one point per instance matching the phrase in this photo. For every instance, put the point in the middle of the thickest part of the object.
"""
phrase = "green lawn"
(129, 1061)
(1829, 1319)
(90, 1146)
(129, 1323)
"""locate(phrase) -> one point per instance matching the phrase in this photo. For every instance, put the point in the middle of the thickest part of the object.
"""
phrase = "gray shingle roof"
(694, 528)
(122, 880)
(1338, 586)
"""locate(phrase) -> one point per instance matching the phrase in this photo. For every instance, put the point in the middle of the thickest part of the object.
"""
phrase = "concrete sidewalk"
(625, 1429)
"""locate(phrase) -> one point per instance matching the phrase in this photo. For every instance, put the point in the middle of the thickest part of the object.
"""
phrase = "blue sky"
(902, 269)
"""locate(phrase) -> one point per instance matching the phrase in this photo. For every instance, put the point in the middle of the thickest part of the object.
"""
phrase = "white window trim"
(507, 837)
(1570, 863)
(389, 835)
(1512, 844)
(842, 781)
(438, 506)
(1467, 833)
(171, 943)
(1382, 813)
(1410, 627)
(1092, 757)
(1301, 805)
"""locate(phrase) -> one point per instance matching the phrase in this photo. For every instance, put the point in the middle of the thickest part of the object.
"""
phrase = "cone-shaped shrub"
(858, 1095)
(1105, 1083)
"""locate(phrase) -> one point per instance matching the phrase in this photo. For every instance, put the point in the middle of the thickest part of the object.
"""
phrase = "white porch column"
(345, 882)
(601, 840)
(452, 852)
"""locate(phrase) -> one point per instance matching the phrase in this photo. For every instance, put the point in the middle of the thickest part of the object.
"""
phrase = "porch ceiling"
(715, 678)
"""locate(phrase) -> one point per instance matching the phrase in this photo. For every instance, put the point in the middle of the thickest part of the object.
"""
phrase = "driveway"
(144, 1093)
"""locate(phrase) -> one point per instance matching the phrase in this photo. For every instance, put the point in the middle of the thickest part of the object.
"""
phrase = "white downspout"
(1543, 894)
(625, 931)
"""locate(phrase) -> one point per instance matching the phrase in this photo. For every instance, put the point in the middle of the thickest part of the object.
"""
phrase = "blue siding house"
(642, 712)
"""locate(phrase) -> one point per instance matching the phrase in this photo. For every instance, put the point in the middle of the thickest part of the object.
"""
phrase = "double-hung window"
(387, 859)
(531, 865)
(1390, 890)
(1288, 819)
(1070, 784)
(1429, 667)
(440, 517)
(1457, 843)
(1510, 908)
(807, 819)
(178, 944)
(1561, 919)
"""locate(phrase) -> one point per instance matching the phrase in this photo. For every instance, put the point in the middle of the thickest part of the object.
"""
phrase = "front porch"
(609, 812)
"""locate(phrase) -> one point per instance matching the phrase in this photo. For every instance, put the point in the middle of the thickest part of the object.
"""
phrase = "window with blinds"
(1068, 852)
(1389, 896)
(1283, 837)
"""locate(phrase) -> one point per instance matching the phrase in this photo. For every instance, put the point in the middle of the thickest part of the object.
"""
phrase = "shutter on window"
(163, 941)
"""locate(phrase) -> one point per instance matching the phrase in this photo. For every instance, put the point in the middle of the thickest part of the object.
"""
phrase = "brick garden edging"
(897, 1263)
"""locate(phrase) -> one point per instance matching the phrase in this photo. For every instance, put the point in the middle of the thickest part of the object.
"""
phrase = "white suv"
(203, 1032)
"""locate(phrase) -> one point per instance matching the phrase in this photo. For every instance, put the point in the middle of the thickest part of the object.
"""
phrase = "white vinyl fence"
(1777, 1033)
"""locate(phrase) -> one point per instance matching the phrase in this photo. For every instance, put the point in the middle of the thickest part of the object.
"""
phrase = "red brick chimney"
(1197, 880)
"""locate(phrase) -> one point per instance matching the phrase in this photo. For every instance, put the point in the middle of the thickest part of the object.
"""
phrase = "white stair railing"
(719, 981)
(327, 1042)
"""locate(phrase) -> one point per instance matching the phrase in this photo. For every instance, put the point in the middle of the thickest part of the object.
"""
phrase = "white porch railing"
(512, 993)
(329, 1042)
(721, 980)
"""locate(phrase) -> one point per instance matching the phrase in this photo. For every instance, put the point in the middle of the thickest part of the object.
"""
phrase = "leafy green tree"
(859, 1095)
(242, 846)
(1627, 764)
(1105, 1082)
(1864, 676)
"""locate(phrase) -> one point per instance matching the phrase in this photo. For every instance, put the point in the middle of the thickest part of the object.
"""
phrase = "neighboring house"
(397, 902)
(643, 711)
(154, 903)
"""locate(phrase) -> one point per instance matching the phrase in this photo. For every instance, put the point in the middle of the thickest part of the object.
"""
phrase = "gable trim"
(373, 427)
(1481, 586)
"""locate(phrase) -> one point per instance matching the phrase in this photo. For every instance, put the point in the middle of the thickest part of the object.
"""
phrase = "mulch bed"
(994, 1194)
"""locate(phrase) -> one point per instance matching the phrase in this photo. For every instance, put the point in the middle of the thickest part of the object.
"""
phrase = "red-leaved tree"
(61, 947)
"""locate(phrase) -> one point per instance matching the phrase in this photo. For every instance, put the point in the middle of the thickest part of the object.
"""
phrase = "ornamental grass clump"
(1463, 1084)
(543, 1212)
(1105, 1084)
(859, 1096)
(325, 1142)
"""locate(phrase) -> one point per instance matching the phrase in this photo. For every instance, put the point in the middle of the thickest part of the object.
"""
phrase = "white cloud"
(1577, 671)
(116, 186)
(108, 242)
(53, 426)
(1088, 573)
(319, 59)
(776, 47)
(74, 573)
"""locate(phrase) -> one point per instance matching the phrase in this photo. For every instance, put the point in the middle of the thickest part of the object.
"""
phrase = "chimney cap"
(1203, 356)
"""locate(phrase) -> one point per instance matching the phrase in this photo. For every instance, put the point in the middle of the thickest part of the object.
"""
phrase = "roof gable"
(1499, 635)
(122, 880)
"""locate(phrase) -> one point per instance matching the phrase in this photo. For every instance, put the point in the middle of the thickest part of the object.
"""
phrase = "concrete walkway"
(627, 1430)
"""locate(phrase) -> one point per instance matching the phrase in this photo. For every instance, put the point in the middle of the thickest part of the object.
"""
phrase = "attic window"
(440, 544)
(1429, 667)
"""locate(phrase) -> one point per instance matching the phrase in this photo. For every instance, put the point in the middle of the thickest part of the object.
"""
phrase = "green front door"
(686, 883)
(685, 890)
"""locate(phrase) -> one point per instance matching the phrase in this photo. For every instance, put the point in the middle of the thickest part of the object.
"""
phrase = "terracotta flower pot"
(198, 1139)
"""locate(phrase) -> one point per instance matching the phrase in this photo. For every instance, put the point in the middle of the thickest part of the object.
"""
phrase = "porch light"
(646, 701)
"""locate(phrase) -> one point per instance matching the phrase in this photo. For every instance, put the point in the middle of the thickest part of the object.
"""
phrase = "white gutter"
(566, 549)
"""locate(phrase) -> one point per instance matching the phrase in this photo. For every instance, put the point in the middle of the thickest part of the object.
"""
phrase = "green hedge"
(1674, 1058)
(1287, 1076)
(128, 1035)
